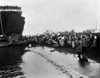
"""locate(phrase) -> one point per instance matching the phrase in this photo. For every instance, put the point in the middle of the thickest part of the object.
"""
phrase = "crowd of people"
(79, 41)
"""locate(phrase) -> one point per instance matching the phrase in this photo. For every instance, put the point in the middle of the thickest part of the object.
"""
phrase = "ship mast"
(1, 24)
(96, 16)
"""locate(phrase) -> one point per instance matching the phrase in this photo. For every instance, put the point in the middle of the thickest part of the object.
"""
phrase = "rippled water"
(10, 59)
(44, 62)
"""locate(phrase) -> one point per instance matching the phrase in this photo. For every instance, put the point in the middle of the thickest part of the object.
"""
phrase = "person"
(62, 41)
(94, 41)
(84, 44)
(79, 48)
(73, 42)
(97, 46)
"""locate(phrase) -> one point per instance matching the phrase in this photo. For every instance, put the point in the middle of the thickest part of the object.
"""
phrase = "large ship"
(11, 24)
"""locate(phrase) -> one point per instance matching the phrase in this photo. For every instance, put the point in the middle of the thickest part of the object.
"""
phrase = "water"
(10, 59)
(44, 62)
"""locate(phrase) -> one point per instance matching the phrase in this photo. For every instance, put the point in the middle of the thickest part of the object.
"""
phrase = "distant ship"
(11, 24)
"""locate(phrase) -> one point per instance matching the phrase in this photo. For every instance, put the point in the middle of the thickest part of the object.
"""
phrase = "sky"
(57, 15)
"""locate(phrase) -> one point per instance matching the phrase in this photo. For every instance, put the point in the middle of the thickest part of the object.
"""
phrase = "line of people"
(88, 40)
(80, 41)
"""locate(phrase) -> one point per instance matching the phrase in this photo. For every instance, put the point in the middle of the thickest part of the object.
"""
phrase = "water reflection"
(10, 58)
(83, 61)
(90, 53)
(85, 66)
(15, 60)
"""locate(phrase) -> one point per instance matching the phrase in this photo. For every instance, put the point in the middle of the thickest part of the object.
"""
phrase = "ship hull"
(11, 25)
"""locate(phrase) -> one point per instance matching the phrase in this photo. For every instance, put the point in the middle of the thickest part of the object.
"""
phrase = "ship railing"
(10, 10)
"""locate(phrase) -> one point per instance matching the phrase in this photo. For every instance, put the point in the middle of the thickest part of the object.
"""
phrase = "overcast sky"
(57, 15)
